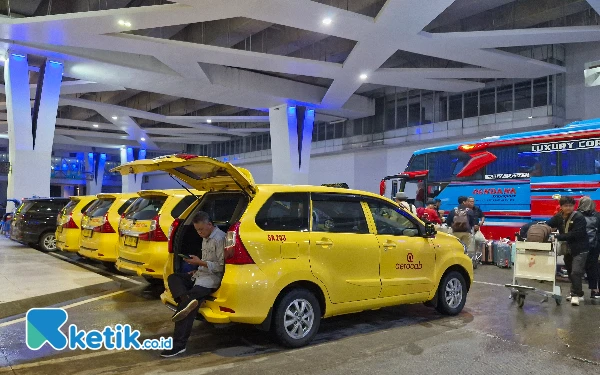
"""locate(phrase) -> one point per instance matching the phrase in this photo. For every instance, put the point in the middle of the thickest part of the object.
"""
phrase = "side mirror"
(430, 230)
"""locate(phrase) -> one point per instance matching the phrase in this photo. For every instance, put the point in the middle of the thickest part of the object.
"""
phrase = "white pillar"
(30, 150)
(291, 137)
(94, 164)
(131, 183)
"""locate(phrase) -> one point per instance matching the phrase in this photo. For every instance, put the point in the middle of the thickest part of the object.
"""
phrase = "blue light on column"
(292, 110)
(18, 57)
(103, 156)
(142, 154)
(418, 131)
(91, 155)
(55, 62)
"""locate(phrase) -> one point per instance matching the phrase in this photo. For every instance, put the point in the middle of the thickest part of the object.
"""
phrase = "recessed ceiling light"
(114, 117)
(95, 125)
(327, 21)
(363, 76)
(530, 117)
(128, 24)
(209, 121)
(121, 22)
(142, 139)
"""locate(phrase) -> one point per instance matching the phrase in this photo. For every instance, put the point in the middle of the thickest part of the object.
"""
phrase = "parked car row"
(293, 254)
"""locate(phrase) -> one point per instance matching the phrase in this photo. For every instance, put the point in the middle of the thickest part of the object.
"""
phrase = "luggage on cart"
(488, 253)
(538, 232)
(502, 253)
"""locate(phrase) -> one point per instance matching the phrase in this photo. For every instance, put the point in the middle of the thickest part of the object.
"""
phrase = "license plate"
(86, 233)
(59, 229)
(131, 241)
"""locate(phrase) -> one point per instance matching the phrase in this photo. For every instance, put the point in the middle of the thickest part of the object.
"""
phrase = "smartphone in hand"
(184, 256)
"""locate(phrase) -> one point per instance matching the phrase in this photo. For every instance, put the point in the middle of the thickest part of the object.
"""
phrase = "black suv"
(35, 222)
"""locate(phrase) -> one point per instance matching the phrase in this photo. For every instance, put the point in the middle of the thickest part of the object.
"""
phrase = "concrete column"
(94, 164)
(30, 147)
(291, 136)
(131, 183)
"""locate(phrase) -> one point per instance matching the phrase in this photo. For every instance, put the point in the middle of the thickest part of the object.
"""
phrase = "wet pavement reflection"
(492, 335)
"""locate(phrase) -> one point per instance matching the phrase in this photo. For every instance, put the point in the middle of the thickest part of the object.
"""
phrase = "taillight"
(235, 250)
(171, 234)
(156, 233)
(70, 224)
(105, 227)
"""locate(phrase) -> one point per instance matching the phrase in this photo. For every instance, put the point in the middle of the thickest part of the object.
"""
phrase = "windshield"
(145, 208)
(100, 208)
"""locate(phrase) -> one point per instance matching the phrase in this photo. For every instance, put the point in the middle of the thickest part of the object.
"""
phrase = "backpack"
(461, 220)
(539, 232)
(591, 227)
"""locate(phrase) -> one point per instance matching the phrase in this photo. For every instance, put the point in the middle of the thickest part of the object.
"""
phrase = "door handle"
(324, 242)
(389, 244)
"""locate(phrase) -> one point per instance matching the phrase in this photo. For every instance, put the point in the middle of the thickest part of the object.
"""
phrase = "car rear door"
(344, 255)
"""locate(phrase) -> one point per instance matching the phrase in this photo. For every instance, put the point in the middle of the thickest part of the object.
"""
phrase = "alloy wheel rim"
(453, 293)
(50, 242)
(299, 318)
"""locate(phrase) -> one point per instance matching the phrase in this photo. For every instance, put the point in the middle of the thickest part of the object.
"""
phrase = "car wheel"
(110, 266)
(452, 293)
(297, 318)
(48, 242)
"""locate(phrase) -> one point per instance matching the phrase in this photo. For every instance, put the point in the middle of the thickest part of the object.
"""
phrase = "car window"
(390, 219)
(100, 208)
(284, 212)
(125, 205)
(145, 208)
(338, 216)
(182, 205)
(87, 205)
(69, 207)
(47, 206)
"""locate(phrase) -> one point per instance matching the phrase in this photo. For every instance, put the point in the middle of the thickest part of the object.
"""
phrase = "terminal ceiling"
(199, 71)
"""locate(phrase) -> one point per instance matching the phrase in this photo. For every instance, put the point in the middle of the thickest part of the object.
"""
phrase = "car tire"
(452, 293)
(47, 242)
(110, 266)
(297, 318)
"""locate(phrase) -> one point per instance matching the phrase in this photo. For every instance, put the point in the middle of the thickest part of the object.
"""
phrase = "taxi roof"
(116, 195)
(167, 192)
(273, 188)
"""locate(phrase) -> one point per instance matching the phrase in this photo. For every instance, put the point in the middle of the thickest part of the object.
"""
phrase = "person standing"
(188, 288)
(401, 199)
(571, 225)
(462, 220)
(588, 208)
(429, 213)
(479, 215)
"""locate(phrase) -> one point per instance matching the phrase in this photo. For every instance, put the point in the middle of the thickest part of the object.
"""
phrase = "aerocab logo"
(410, 265)
(43, 325)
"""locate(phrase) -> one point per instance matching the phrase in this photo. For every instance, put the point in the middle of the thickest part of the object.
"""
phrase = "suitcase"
(488, 254)
(502, 254)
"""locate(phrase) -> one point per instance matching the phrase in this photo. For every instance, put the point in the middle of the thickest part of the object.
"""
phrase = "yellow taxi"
(99, 238)
(296, 254)
(143, 247)
(67, 230)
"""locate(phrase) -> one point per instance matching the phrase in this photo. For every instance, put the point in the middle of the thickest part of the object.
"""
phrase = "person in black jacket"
(588, 208)
(577, 241)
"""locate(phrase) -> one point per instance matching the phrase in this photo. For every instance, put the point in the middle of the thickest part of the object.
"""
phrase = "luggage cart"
(534, 261)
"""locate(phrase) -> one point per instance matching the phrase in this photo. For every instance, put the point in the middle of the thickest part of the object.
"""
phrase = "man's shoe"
(574, 301)
(185, 311)
(594, 295)
(172, 352)
(568, 298)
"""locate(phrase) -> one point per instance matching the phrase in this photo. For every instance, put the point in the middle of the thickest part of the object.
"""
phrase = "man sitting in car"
(189, 288)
